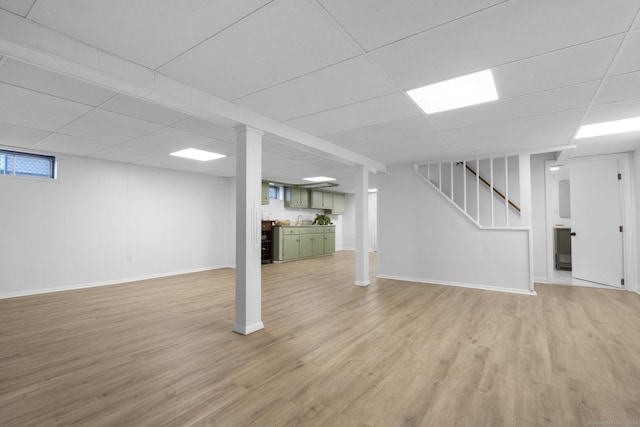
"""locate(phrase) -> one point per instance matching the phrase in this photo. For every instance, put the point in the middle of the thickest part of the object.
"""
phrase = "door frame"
(627, 205)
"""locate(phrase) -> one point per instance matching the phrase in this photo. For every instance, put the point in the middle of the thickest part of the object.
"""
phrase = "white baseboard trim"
(365, 283)
(249, 329)
(638, 292)
(105, 283)
(461, 285)
(541, 279)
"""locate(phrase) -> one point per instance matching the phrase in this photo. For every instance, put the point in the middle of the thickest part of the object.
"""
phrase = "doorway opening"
(584, 223)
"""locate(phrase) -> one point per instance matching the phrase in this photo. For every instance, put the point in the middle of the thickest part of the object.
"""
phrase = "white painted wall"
(422, 237)
(349, 223)
(79, 230)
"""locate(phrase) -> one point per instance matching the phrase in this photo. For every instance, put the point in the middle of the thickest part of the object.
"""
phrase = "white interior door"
(596, 217)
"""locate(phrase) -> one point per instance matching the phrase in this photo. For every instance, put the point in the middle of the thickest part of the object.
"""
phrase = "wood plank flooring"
(162, 353)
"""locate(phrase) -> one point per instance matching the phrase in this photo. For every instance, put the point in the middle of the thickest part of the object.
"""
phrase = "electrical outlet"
(129, 258)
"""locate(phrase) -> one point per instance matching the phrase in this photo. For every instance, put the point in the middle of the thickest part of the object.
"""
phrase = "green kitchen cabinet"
(290, 247)
(329, 237)
(338, 204)
(265, 193)
(295, 242)
(296, 197)
(321, 199)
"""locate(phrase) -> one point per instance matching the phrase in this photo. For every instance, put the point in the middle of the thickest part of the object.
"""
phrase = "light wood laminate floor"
(162, 353)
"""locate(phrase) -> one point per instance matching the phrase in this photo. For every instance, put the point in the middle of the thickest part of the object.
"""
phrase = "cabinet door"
(306, 245)
(338, 204)
(265, 193)
(316, 199)
(327, 200)
(291, 246)
(303, 201)
(318, 244)
(329, 243)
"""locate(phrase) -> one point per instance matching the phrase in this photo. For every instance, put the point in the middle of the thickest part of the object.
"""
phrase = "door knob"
(573, 233)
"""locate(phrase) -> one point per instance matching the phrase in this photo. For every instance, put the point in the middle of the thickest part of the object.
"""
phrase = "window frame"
(53, 176)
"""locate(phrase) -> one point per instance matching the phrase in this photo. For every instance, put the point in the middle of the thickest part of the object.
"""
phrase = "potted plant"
(322, 219)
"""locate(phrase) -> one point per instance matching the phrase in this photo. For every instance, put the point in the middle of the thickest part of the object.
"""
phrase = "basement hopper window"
(15, 163)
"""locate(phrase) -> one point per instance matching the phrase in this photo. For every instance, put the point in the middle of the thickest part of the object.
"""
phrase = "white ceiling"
(334, 69)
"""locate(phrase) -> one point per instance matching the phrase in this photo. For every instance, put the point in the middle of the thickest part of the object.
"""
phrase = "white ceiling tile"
(31, 77)
(205, 128)
(18, 136)
(543, 131)
(629, 59)
(19, 7)
(105, 126)
(576, 64)
(124, 153)
(509, 32)
(70, 145)
(379, 110)
(345, 83)
(144, 110)
(218, 146)
(607, 144)
(415, 142)
(622, 87)
(613, 111)
(145, 33)
(368, 20)
(167, 140)
(417, 155)
(213, 167)
(416, 125)
(534, 104)
(27, 108)
(283, 40)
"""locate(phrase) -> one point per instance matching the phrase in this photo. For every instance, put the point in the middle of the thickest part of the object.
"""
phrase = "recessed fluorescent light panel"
(195, 154)
(319, 179)
(472, 89)
(609, 128)
(373, 190)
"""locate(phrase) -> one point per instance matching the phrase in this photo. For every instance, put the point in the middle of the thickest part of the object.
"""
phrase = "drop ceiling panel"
(27, 108)
(167, 140)
(40, 80)
(70, 145)
(284, 40)
(613, 111)
(535, 104)
(416, 142)
(368, 21)
(525, 132)
(19, 7)
(577, 64)
(124, 153)
(622, 87)
(629, 58)
(509, 32)
(607, 144)
(345, 83)
(379, 110)
(418, 155)
(149, 34)
(105, 126)
(205, 128)
(18, 136)
(144, 110)
(379, 132)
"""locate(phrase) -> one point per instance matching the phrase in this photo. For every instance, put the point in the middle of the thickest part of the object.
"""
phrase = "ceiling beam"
(32, 43)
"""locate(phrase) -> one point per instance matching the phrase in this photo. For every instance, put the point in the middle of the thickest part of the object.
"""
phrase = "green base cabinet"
(291, 243)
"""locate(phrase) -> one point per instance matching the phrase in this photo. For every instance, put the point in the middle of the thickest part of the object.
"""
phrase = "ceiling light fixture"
(609, 128)
(195, 154)
(319, 179)
(373, 190)
(472, 89)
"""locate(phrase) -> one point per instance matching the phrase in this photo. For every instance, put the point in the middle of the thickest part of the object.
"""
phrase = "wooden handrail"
(488, 184)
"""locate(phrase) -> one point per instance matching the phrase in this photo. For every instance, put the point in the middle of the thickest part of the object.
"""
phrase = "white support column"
(362, 226)
(248, 244)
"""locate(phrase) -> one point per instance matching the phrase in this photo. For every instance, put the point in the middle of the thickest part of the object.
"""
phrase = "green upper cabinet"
(265, 193)
(338, 204)
(321, 200)
(295, 197)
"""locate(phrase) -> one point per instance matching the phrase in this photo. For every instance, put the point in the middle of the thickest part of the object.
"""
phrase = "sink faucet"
(299, 219)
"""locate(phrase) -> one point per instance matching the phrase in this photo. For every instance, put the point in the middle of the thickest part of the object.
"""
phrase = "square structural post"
(362, 226)
(248, 244)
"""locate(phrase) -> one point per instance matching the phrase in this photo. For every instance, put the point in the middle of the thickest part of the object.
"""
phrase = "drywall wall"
(104, 222)
(422, 237)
